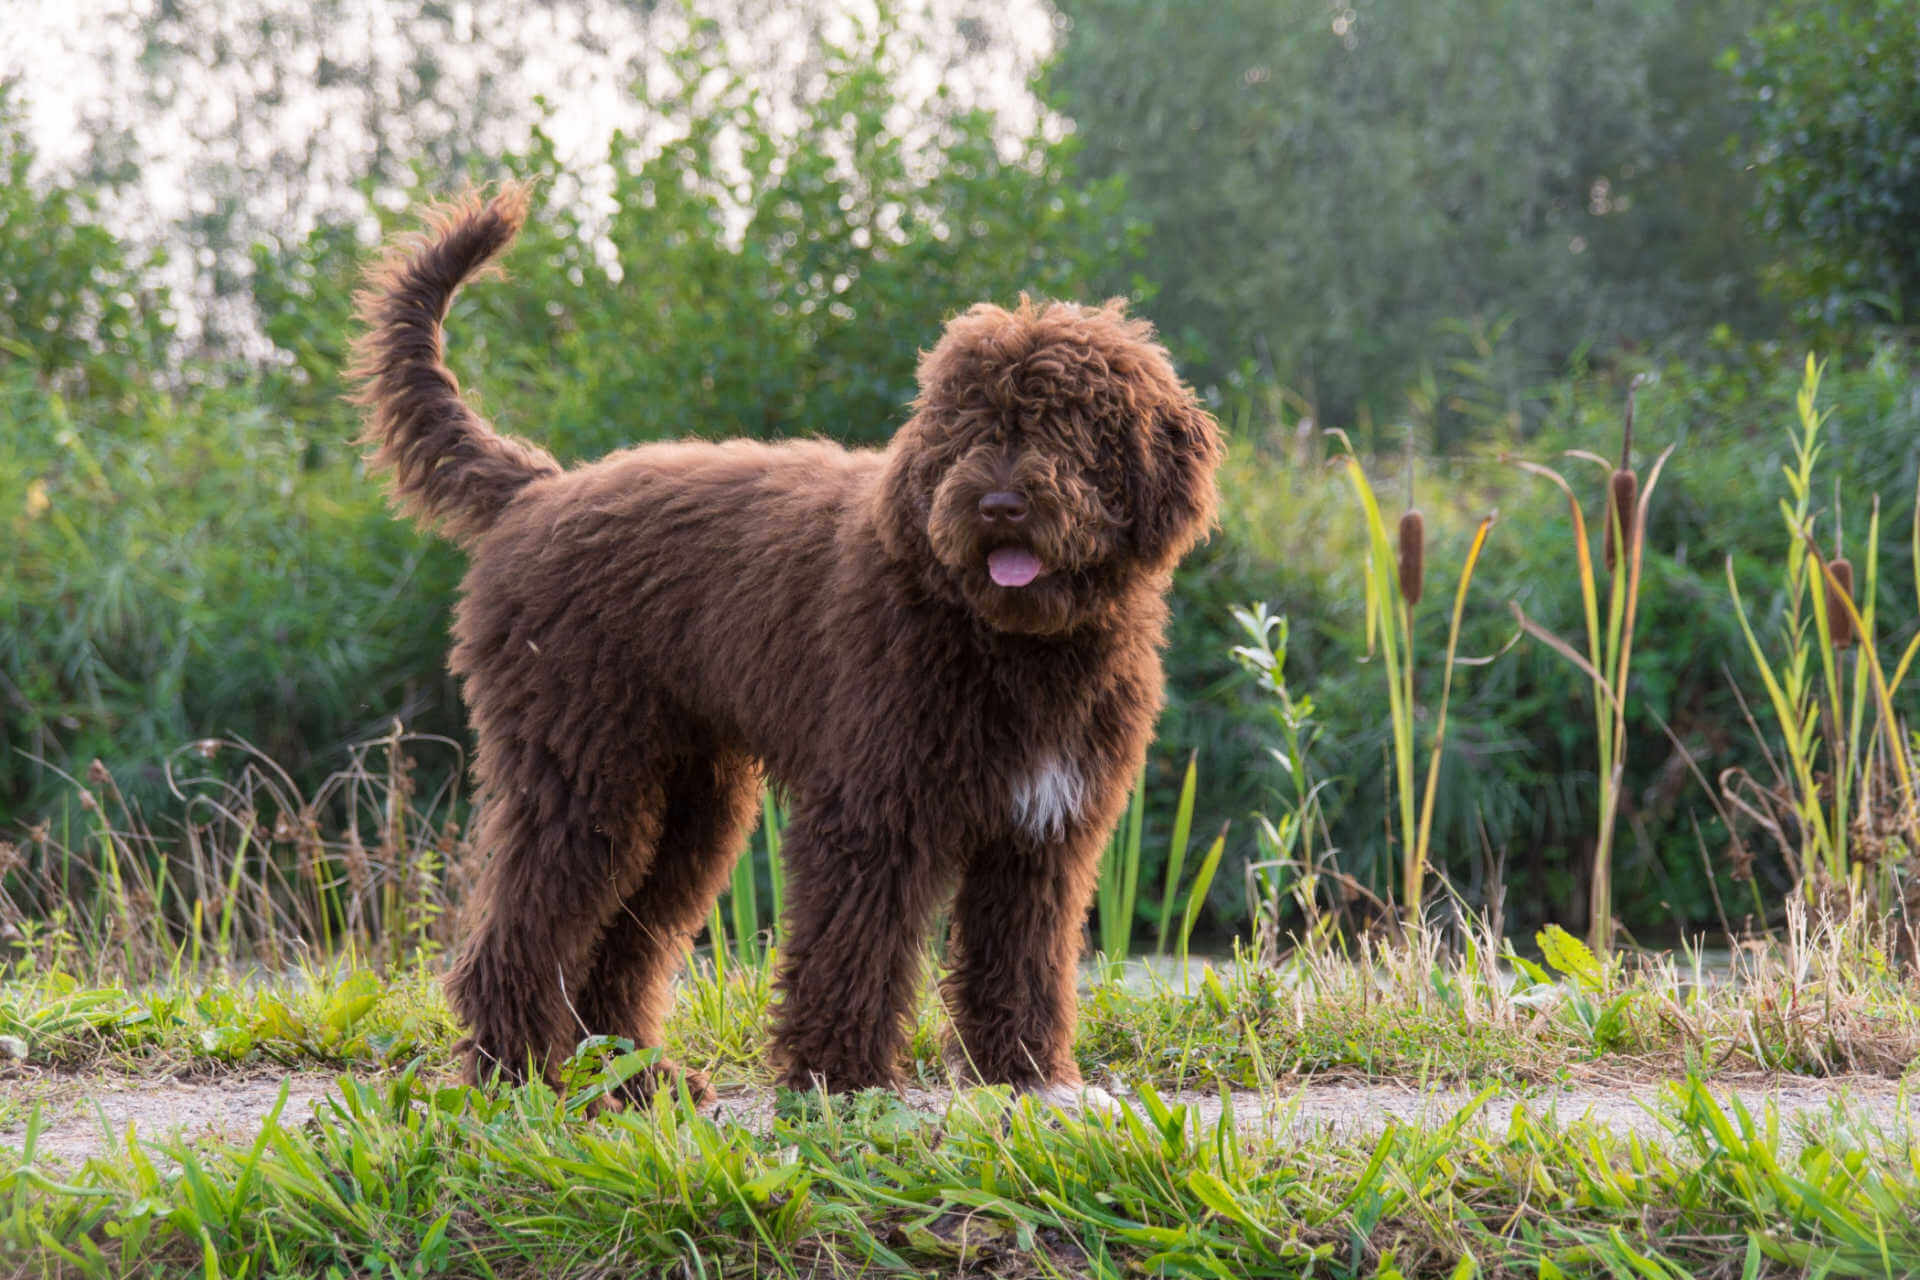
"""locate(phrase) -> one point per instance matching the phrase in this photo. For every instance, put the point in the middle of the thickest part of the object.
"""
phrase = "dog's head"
(1053, 460)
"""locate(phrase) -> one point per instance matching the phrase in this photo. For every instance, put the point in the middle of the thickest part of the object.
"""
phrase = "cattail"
(1623, 487)
(1839, 594)
(1623, 491)
(1413, 555)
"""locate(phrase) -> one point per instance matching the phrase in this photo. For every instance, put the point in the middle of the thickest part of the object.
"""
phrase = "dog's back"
(685, 563)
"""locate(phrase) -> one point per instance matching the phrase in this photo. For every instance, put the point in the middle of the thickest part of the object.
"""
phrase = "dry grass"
(251, 870)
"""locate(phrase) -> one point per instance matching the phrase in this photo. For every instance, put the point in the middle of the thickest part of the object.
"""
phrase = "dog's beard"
(1046, 604)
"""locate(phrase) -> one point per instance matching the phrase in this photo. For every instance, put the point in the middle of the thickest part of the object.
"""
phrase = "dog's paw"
(668, 1077)
(1077, 1099)
(657, 1079)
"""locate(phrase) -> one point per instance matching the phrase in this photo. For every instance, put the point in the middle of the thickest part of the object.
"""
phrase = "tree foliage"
(216, 126)
(1329, 184)
(73, 306)
(751, 280)
(1832, 97)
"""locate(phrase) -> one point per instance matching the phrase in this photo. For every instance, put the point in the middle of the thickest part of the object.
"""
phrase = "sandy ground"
(81, 1114)
(78, 1113)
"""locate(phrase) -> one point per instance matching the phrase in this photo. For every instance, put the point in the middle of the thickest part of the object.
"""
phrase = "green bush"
(178, 570)
(1832, 95)
(1518, 769)
(1330, 186)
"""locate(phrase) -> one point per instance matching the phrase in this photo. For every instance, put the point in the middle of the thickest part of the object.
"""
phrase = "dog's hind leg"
(711, 806)
(566, 843)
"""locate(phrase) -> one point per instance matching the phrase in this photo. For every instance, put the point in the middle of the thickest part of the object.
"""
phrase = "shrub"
(1518, 781)
(1832, 97)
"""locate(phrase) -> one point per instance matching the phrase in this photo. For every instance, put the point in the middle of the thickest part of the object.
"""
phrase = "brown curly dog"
(945, 650)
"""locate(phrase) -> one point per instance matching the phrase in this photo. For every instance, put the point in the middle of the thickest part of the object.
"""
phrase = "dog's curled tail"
(448, 466)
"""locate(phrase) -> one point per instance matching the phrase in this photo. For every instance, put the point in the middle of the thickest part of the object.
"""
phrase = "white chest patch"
(1047, 799)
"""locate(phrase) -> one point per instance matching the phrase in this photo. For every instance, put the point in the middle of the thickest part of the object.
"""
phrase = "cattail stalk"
(1623, 491)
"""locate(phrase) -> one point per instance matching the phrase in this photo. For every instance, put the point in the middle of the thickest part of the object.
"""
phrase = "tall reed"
(253, 871)
(1393, 581)
(1608, 660)
(1843, 802)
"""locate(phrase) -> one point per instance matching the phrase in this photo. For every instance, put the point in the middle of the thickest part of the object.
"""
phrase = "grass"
(1818, 1004)
(401, 1177)
(400, 1172)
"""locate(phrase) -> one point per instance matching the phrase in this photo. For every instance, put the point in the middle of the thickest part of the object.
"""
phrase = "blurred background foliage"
(1337, 182)
(1455, 228)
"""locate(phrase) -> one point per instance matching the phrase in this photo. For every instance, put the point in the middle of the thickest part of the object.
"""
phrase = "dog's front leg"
(1017, 925)
(859, 905)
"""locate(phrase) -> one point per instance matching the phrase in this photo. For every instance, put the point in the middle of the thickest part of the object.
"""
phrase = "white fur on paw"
(1077, 1098)
(1048, 799)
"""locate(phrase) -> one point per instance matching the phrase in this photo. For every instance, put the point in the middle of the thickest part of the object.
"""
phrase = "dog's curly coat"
(946, 650)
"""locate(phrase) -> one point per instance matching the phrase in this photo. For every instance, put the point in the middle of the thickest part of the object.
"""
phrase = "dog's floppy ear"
(1174, 503)
(899, 515)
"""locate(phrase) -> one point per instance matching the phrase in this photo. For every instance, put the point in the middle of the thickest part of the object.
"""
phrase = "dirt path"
(79, 1115)
(78, 1112)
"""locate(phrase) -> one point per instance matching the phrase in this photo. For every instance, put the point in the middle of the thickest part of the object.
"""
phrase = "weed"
(257, 872)
(1841, 805)
(1296, 858)
(1392, 590)
(1608, 660)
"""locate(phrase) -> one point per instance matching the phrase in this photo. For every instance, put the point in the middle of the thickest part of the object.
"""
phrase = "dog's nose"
(1003, 504)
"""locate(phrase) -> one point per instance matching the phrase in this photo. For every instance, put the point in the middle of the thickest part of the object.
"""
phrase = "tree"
(218, 126)
(1327, 185)
(1832, 97)
(750, 280)
(73, 308)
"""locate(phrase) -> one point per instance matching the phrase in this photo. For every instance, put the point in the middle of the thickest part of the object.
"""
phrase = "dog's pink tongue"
(1013, 566)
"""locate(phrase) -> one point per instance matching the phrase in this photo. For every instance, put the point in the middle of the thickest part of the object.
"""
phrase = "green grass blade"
(1130, 866)
(746, 907)
(1177, 851)
(774, 825)
(1421, 845)
(1197, 896)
